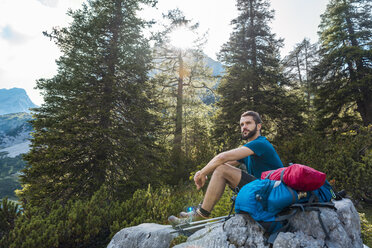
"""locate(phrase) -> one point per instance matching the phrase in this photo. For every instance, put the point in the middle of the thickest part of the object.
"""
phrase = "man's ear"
(259, 125)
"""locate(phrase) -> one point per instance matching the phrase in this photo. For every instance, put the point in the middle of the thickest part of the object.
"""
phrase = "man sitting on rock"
(257, 154)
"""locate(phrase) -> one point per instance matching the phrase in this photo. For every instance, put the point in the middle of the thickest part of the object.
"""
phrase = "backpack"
(297, 176)
(267, 200)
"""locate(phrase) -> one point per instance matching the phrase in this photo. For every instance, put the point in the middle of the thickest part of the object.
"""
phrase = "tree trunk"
(177, 141)
(365, 109)
(254, 53)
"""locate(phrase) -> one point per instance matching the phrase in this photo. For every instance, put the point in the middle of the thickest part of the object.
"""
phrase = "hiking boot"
(189, 211)
(194, 215)
(186, 217)
(174, 221)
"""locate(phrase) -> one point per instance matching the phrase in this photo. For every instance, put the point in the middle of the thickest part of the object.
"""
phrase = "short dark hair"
(256, 116)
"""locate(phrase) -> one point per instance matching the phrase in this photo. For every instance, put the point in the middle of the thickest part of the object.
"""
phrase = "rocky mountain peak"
(15, 100)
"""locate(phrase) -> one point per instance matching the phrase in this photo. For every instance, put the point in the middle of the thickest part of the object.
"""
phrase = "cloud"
(49, 3)
(27, 55)
(9, 34)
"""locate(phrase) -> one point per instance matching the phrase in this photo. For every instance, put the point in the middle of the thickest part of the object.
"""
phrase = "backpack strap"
(280, 219)
(326, 232)
(281, 176)
(273, 236)
(271, 172)
(308, 206)
(294, 208)
(315, 206)
(294, 196)
(268, 175)
(313, 198)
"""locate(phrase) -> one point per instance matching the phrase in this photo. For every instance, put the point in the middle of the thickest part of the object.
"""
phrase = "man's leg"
(223, 174)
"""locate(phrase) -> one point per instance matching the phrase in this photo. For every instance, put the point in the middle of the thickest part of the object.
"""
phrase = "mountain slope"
(15, 100)
(14, 129)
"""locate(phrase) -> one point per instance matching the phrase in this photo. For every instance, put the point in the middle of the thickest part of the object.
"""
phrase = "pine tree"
(344, 74)
(298, 65)
(9, 212)
(254, 80)
(182, 77)
(94, 128)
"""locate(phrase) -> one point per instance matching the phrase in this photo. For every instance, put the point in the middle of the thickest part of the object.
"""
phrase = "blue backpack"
(265, 200)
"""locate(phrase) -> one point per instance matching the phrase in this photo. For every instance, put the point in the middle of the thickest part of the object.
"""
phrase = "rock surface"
(147, 235)
(342, 224)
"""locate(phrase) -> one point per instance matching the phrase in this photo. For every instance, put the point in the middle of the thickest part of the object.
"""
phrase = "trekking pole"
(198, 224)
(233, 198)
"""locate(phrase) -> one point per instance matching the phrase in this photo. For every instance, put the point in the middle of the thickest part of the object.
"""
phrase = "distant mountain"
(14, 140)
(15, 130)
(216, 66)
(15, 100)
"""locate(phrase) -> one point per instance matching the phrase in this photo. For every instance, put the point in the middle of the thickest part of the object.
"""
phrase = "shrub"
(346, 157)
(223, 206)
(9, 212)
(92, 223)
(366, 227)
(178, 240)
(155, 205)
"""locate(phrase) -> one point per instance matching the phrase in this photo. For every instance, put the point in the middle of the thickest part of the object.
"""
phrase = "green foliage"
(76, 224)
(9, 212)
(344, 157)
(92, 223)
(366, 227)
(182, 79)
(297, 68)
(178, 240)
(95, 127)
(343, 75)
(223, 206)
(8, 186)
(155, 205)
(100, 139)
(9, 167)
(253, 79)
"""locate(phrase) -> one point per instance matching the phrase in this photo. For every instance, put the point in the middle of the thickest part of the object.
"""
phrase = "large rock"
(147, 235)
(343, 226)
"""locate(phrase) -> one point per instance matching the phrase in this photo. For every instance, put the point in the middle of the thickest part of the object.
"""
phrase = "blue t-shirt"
(264, 158)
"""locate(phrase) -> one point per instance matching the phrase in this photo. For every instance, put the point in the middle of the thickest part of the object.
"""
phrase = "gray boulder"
(147, 235)
(343, 226)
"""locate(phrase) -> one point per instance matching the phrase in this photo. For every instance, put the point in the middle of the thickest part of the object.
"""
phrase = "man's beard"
(250, 134)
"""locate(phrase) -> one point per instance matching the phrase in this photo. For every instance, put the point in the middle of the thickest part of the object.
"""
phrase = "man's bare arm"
(225, 157)
(232, 163)
(232, 155)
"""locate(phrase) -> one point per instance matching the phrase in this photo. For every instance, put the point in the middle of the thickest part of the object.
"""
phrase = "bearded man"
(257, 154)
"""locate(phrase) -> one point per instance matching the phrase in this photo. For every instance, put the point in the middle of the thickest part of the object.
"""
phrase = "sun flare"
(182, 38)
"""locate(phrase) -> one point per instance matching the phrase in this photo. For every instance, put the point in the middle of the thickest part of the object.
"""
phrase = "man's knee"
(221, 170)
(226, 171)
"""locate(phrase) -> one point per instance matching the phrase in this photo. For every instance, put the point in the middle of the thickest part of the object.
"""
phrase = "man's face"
(248, 127)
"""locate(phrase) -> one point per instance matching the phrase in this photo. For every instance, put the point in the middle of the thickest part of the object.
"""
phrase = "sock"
(202, 212)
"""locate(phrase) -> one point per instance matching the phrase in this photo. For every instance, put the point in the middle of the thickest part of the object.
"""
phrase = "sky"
(26, 55)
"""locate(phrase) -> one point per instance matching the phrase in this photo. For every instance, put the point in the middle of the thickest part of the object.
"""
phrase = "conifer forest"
(129, 118)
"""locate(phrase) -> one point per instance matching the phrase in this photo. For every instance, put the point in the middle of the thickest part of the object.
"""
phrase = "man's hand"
(199, 179)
